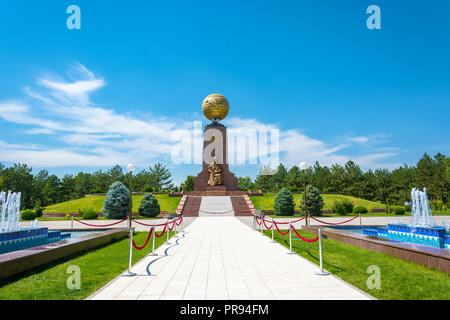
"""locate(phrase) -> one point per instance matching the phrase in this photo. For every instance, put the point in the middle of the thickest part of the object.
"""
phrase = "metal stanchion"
(360, 221)
(153, 241)
(321, 272)
(175, 227)
(167, 230)
(128, 273)
(254, 221)
(273, 226)
(290, 239)
(71, 224)
(262, 225)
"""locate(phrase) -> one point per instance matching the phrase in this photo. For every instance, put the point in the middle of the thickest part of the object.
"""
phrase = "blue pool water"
(31, 237)
(355, 229)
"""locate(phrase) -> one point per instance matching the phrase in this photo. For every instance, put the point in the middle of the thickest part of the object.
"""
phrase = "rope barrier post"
(153, 241)
(254, 221)
(167, 226)
(321, 272)
(290, 239)
(272, 230)
(360, 221)
(130, 256)
(175, 227)
(71, 223)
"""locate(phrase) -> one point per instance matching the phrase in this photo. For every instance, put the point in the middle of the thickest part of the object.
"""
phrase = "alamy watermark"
(74, 20)
(374, 280)
(239, 146)
(74, 280)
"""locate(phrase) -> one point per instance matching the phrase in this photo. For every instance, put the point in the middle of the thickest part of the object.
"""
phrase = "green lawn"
(96, 202)
(400, 280)
(98, 267)
(267, 201)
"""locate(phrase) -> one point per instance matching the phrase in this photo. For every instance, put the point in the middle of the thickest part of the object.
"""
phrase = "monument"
(215, 175)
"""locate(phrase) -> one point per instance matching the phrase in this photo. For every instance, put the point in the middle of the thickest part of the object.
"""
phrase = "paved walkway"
(211, 205)
(222, 258)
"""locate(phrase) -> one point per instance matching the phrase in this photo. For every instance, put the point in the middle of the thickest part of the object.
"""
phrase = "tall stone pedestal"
(215, 145)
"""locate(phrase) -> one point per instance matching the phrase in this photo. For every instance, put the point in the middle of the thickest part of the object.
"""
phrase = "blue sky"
(114, 91)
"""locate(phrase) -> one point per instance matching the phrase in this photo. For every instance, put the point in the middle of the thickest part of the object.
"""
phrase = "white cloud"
(359, 139)
(94, 136)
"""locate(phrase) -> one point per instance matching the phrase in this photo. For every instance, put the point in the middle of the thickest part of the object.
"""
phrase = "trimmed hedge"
(149, 206)
(399, 211)
(284, 203)
(28, 215)
(117, 201)
(360, 209)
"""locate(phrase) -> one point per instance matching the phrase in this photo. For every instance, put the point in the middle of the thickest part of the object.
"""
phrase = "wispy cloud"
(93, 136)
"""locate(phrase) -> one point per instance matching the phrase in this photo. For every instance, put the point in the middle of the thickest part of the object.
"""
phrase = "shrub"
(28, 215)
(88, 213)
(148, 189)
(408, 208)
(329, 189)
(149, 206)
(284, 203)
(360, 209)
(314, 202)
(342, 207)
(117, 201)
(399, 211)
(38, 210)
(68, 216)
(436, 205)
(388, 207)
(95, 191)
(444, 208)
(293, 188)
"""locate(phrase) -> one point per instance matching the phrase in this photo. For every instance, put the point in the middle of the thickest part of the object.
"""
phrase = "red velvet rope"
(100, 226)
(173, 225)
(146, 241)
(264, 222)
(306, 240)
(162, 232)
(337, 222)
(215, 212)
(276, 226)
(148, 225)
(291, 221)
(257, 220)
(181, 219)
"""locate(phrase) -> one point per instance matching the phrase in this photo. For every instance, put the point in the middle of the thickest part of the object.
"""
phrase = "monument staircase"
(190, 205)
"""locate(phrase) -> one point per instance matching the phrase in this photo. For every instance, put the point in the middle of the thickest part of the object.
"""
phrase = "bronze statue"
(215, 174)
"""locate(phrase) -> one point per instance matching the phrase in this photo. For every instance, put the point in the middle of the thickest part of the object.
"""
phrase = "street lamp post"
(130, 169)
(303, 167)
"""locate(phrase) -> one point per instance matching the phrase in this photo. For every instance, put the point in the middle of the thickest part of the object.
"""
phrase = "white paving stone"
(223, 258)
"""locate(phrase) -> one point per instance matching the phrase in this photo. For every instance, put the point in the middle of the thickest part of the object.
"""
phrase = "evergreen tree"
(160, 177)
(245, 184)
(188, 185)
(284, 203)
(117, 201)
(314, 202)
(424, 172)
(149, 206)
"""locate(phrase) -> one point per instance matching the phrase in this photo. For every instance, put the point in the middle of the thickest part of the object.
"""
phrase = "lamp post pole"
(130, 169)
(303, 167)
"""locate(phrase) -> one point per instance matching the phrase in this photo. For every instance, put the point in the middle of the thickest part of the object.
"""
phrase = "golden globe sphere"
(215, 107)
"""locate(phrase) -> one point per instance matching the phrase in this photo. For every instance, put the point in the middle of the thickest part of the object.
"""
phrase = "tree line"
(43, 189)
(376, 185)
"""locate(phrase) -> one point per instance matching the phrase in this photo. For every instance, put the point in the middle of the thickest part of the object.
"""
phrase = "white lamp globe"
(303, 166)
(131, 168)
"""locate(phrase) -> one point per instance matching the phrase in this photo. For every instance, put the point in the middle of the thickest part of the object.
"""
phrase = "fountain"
(12, 236)
(420, 230)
